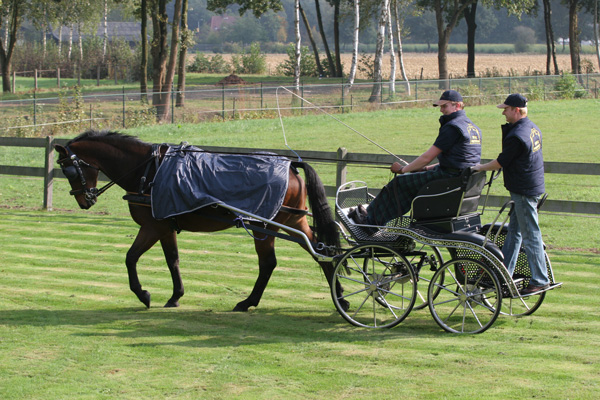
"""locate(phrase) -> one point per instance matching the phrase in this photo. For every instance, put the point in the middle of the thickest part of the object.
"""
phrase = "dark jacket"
(522, 158)
(460, 141)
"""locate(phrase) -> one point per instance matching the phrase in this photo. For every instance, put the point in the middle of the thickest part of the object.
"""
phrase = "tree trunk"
(446, 21)
(8, 45)
(105, 33)
(336, 39)
(298, 45)
(354, 44)
(182, 55)
(144, 55)
(550, 46)
(470, 14)
(170, 74)
(574, 45)
(312, 40)
(376, 91)
(159, 53)
(392, 53)
(597, 31)
(70, 42)
(398, 32)
(324, 39)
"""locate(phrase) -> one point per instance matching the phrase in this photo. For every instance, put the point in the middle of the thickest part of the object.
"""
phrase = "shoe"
(358, 215)
(533, 289)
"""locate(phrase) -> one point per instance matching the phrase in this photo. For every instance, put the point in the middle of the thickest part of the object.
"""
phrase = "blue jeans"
(524, 227)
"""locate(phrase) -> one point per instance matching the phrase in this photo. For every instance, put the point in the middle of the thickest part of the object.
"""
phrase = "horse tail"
(324, 225)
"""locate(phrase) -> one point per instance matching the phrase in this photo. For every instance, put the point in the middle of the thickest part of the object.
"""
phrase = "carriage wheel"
(379, 284)
(433, 261)
(523, 305)
(469, 297)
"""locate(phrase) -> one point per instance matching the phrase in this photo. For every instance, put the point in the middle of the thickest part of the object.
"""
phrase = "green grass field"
(71, 329)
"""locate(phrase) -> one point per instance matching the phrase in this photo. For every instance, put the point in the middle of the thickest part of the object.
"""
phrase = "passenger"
(523, 165)
(458, 146)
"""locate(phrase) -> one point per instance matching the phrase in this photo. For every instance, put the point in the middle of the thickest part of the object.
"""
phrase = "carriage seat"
(448, 205)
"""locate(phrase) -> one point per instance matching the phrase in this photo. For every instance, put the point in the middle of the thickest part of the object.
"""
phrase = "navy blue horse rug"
(189, 179)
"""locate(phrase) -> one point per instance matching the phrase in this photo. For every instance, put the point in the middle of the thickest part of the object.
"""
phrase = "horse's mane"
(105, 136)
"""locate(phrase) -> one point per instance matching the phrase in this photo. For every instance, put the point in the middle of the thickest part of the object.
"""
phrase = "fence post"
(35, 81)
(58, 78)
(223, 101)
(48, 173)
(341, 169)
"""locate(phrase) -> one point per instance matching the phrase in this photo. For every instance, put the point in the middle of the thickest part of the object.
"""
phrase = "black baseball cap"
(448, 96)
(514, 100)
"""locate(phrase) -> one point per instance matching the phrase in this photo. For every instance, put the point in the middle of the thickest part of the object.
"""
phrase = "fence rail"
(341, 159)
(44, 115)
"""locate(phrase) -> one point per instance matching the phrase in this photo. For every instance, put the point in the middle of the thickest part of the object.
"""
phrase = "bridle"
(75, 171)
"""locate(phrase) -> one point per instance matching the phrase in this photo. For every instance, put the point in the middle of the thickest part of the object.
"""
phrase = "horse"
(132, 164)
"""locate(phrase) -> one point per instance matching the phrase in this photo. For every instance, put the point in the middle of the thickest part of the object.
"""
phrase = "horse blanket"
(189, 179)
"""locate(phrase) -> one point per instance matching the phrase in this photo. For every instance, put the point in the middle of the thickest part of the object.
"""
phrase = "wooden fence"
(341, 158)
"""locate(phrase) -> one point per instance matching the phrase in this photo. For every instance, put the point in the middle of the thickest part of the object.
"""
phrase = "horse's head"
(82, 176)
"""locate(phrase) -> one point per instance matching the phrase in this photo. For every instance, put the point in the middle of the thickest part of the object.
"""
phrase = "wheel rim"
(379, 287)
(469, 297)
(433, 261)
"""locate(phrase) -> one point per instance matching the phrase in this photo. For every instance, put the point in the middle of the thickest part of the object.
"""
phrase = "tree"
(356, 31)
(185, 42)
(550, 45)
(377, 78)
(399, 8)
(574, 43)
(313, 44)
(447, 15)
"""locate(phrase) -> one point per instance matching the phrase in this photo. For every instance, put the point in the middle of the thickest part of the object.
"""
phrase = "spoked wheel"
(379, 284)
(469, 297)
(432, 261)
(523, 305)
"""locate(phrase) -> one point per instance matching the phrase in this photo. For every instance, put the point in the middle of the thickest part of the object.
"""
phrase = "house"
(218, 21)
(130, 32)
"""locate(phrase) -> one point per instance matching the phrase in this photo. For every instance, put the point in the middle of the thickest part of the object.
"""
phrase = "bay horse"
(131, 164)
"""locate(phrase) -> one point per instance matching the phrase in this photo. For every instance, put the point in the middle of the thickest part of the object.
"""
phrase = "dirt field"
(424, 65)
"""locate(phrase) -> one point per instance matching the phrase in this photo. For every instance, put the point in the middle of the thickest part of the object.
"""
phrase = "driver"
(457, 147)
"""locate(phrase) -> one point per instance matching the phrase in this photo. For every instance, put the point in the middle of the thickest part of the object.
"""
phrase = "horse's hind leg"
(169, 246)
(266, 264)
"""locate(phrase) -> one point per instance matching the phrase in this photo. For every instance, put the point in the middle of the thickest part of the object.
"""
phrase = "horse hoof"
(345, 305)
(240, 307)
(144, 297)
(172, 303)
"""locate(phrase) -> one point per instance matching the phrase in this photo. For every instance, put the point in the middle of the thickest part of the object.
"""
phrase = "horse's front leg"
(265, 249)
(169, 246)
(145, 239)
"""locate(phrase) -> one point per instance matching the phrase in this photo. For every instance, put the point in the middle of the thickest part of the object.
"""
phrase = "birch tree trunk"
(105, 34)
(597, 31)
(298, 44)
(392, 53)
(70, 42)
(60, 29)
(354, 44)
(398, 32)
(376, 91)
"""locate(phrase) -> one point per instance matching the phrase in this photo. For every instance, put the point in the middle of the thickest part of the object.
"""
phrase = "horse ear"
(61, 149)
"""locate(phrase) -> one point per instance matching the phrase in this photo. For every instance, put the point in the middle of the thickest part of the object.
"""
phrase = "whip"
(326, 113)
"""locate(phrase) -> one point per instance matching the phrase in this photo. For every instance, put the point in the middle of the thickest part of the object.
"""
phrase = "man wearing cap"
(523, 164)
(458, 146)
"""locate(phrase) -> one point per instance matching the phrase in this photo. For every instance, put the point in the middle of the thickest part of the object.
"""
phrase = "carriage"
(440, 256)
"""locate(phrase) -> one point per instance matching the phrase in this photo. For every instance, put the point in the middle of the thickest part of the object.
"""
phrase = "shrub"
(253, 62)
(524, 38)
(215, 64)
(308, 65)
(568, 88)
